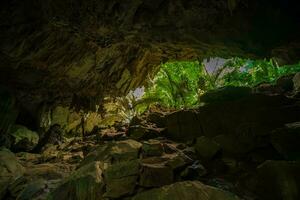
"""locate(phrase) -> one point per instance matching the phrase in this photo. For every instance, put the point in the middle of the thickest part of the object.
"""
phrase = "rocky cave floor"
(242, 147)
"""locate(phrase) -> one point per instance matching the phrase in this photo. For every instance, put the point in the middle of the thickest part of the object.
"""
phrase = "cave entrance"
(184, 85)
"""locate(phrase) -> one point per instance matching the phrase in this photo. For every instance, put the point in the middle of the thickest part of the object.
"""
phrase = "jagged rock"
(188, 190)
(10, 169)
(84, 183)
(206, 148)
(155, 175)
(143, 133)
(94, 56)
(276, 180)
(121, 178)
(114, 152)
(23, 138)
(152, 148)
(287, 141)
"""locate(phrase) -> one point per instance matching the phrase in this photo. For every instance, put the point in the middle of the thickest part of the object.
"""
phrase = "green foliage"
(242, 72)
(180, 84)
(176, 84)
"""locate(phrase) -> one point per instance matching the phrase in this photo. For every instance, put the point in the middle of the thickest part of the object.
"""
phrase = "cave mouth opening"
(183, 84)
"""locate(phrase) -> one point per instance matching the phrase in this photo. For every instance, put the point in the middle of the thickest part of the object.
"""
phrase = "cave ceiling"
(73, 51)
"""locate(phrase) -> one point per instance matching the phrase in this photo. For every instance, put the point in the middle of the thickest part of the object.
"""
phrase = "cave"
(141, 99)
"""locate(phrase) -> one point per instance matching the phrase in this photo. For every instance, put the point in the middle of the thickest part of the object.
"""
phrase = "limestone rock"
(177, 161)
(239, 145)
(188, 190)
(276, 180)
(155, 175)
(84, 183)
(121, 178)
(287, 141)
(10, 169)
(206, 148)
(261, 114)
(9, 164)
(122, 186)
(114, 152)
(183, 125)
(193, 172)
(152, 148)
(157, 118)
(143, 133)
(47, 171)
(24, 139)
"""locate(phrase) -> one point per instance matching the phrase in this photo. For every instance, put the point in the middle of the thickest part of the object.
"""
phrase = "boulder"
(285, 83)
(155, 175)
(114, 152)
(143, 133)
(228, 93)
(254, 116)
(116, 188)
(10, 169)
(183, 125)
(177, 161)
(37, 189)
(23, 138)
(194, 171)
(121, 178)
(156, 118)
(287, 141)
(188, 190)
(206, 148)
(234, 145)
(152, 148)
(276, 180)
(84, 183)
(48, 171)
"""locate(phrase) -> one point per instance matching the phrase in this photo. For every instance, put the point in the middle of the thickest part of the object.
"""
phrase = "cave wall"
(75, 52)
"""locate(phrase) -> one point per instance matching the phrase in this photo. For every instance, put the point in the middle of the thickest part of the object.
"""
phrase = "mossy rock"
(23, 138)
